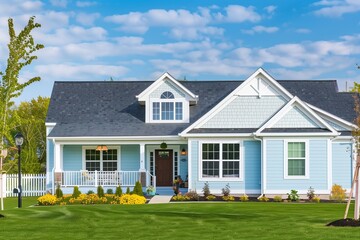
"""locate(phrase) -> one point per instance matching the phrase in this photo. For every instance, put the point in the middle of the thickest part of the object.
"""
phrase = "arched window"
(167, 95)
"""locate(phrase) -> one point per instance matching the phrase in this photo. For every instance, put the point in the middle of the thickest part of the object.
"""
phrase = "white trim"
(57, 157)
(212, 135)
(83, 157)
(290, 105)
(229, 98)
(301, 191)
(332, 117)
(142, 96)
(329, 164)
(50, 124)
(142, 158)
(220, 178)
(189, 164)
(120, 138)
(307, 157)
(319, 134)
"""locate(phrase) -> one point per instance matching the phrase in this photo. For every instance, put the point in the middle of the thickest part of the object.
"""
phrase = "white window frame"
(84, 148)
(185, 110)
(221, 178)
(286, 159)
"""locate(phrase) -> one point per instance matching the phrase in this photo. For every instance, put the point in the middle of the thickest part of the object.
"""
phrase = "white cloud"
(303, 30)
(85, 3)
(87, 19)
(337, 8)
(59, 3)
(261, 29)
(270, 9)
(195, 33)
(80, 72)
(238, 14)
(14, 7)
(52, 20)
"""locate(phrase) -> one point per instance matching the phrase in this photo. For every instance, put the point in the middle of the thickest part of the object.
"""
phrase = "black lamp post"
(19, 140)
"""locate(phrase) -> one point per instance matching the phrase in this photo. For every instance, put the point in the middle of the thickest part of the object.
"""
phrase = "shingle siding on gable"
(295, 118)
(167, 86)
(246, 112)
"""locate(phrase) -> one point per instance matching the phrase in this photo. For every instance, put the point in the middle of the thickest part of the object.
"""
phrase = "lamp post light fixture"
(19, 140)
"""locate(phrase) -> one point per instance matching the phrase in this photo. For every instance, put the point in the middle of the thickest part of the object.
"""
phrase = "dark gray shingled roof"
(110, 108)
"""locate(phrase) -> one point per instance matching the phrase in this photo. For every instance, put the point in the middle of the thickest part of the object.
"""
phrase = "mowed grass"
(220, 220)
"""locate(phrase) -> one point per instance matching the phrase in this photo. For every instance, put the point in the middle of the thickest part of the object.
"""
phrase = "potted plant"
(151, 190)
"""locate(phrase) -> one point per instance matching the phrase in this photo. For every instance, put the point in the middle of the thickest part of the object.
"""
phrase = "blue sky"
(197, 40)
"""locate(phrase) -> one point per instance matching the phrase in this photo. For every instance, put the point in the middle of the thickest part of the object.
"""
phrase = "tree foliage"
(21, 49)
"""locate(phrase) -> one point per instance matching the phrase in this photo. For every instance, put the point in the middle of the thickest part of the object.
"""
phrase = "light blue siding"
(130, 157)
(317, 169)
(342, 167)
(252, 157)
(167, 86)
(295, 118)
(72, 158)
(215, 186)
(246, 112)
(183, 160)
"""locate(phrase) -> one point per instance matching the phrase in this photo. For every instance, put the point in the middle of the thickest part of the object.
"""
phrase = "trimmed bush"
(293, 196)
(138, 189)
(132, 199)
(109, 191)
(90, 192)
(210, 198)
(118, 191)
(278, 199)
(263, 199)
(228, 198)
(180, 197)
(128, 190)
(47, 200)
(192, 195)
(226, 190)
(206, 189)
(315, 199)
(58, 192)
(244, 198)
(76, 192)
(100, 191)
(310, 193)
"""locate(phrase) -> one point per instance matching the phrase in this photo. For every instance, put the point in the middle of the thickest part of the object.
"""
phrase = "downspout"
(262, 164)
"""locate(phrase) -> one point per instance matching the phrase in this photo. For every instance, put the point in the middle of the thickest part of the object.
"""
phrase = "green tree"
(21, 53)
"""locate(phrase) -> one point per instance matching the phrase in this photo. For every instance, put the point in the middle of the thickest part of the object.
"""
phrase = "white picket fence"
(32, 184)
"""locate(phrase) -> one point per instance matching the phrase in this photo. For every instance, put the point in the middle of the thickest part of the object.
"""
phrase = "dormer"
(167, 101)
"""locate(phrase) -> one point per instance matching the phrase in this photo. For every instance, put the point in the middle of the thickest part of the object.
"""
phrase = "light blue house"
(260, 136)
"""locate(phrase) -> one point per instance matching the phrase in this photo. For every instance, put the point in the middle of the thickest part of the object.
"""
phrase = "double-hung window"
(220, 160)
(296, 159)
(101, 160)
(167, 108)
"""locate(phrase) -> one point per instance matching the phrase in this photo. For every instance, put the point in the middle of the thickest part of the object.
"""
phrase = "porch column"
(142, 169)
(57, 163)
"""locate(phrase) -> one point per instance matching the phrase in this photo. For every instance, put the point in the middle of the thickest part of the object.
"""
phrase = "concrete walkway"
(160, 199)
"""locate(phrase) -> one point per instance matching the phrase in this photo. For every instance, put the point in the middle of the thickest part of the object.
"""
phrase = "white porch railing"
(103, 178)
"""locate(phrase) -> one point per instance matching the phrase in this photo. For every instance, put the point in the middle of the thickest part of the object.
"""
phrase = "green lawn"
(175, 221)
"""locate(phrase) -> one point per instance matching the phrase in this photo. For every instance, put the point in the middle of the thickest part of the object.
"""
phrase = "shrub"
(58, 192)
(244, 198)
(109, 191)
(100, 191)
(338, 193)
(263, 199)
(210, 198)
(206, 189)
(47, 199)
(192, 195)
(278, 199)
(76, 192)
(226, 190)
(315, 199)
(132, 199)
(180, 197)
(138, 189)
(310, 193)
(228, 198)
(293, 196)
(128, 190)
(118, 191)
(90, 192)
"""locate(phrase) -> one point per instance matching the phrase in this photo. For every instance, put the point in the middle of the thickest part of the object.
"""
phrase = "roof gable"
(296, 114)
(170, 81)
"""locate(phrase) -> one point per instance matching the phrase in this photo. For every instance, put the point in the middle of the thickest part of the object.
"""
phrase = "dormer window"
(167, 108)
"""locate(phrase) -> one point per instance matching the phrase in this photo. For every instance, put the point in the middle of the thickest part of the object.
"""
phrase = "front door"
(164, 167)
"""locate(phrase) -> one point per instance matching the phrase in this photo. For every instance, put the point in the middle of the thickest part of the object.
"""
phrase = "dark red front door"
(164, 167)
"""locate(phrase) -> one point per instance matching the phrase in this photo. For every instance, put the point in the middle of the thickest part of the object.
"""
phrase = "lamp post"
(19, 140)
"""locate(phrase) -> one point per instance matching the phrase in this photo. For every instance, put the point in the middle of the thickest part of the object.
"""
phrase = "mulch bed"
(1, 216)
(348, 222)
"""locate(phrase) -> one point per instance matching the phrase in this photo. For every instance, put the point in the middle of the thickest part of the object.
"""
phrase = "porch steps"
(160, 199)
